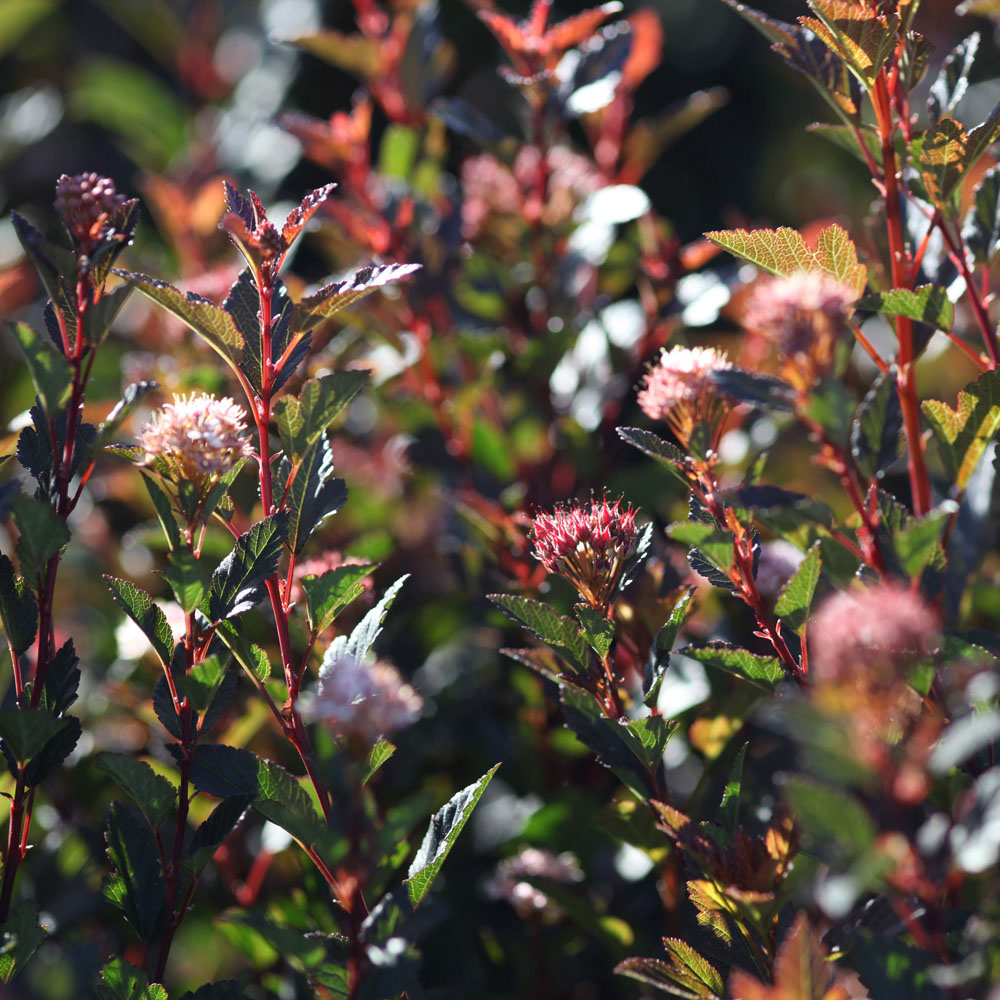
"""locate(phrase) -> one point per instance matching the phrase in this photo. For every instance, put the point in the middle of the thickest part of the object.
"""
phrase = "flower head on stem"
(804, 315)
(679, 390)
(196, 439)
(588, 547)
(509, 882)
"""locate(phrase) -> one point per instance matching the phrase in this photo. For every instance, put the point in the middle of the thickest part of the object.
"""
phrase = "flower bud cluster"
(363, 701)
(679, 389)
(588, 547)
(89, 206)
(804, 316)
(198, 438)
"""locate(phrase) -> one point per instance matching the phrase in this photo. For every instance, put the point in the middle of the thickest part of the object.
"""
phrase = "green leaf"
(313, 493)
(18, 608)
(919, 542)
(164, 512)
(154, 795)
(302, 420)
(796, 596)
(248, 655)
(946, 153)
(445, 826)
(42, 534)
(62, 680)
(22, 934)
(359, 643)
(226, 771)
(55, 751)
(56, 265)
(765, 672)
(337, 295)
(188, 578)
(122, 981)
(206, 840)
(377, 756)
(139, 606)
(828, 816)
(18, 17)
(981, 231)
(784, 251)
(846, 139)
(964, 433)
(862, 38)
(237, 582)
(25, 731)
(876, 433)
(668, 455)
(597, 630)
(659, 653)
(211, 322)
(50, 371)
(711, 541)
(926, 304)
(137, 886)
(729, 807)
(326, 595)
(548, 625)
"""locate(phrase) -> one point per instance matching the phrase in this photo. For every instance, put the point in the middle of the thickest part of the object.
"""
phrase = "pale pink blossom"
(364, 701)
(871, 637)
(508, 882)
(778, 562)
(587, 546)
(681, 375)
(198, 437)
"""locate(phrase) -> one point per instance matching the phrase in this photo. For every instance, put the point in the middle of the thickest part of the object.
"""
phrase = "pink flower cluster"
(364, 701)
(870, 638)
(198, 437)
(588, 547)
(803, 315)
(682, 375)
(509, 881)
(87, 204)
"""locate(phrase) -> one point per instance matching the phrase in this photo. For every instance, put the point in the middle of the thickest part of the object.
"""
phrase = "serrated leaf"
(659, 652)
(122, 981)
(548, 625)
(761, 391)
(62, 680)
(164, 512)
(248, 655)
(981, 231)
(337, 295)
(301, 421)
(711, 541)
(188, 578)
(237, 582)
(926, 304)
(25, 731)
(154, 795)
(377, 756)
(597, 630)
(876, 433)
(946, 154)
(784, 251)
(18, 608)
(952, 81)
(764, 672)
(668, 455)
(21, 936)
(205, 841)
(313, 493)
(442, 832)
(56, 749)
(137, 886)
(918, 543)
(729, 807)
(41, 534)
(357, 646)
(211, 322)
(139, 606)
(965, 432)
(796, 597)
(226, 771)
(50, 371)
(862, 38)
(326, 595)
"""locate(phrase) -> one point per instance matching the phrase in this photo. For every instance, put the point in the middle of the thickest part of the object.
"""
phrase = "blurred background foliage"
(169, 97)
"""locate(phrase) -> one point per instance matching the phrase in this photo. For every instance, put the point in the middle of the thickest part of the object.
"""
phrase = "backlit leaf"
(337, 295)
(139, 606)
(796, 597)
(765, 672)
